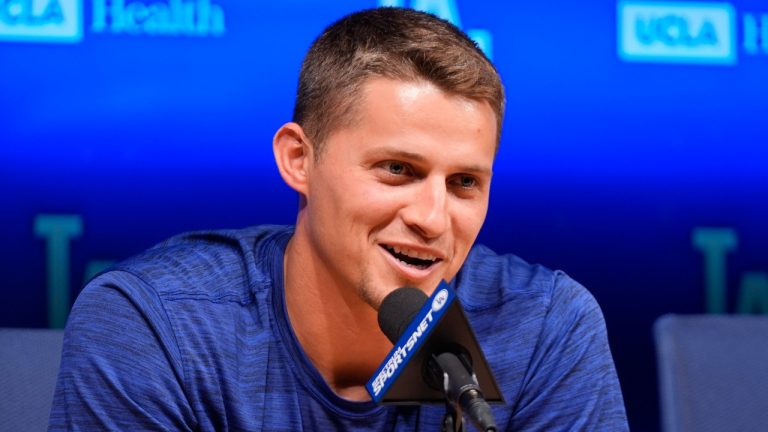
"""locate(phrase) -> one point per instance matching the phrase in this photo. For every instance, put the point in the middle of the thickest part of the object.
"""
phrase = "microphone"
(432, 357)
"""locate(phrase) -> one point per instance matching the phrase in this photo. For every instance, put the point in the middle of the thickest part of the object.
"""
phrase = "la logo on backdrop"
(62, 21)
(449, 11)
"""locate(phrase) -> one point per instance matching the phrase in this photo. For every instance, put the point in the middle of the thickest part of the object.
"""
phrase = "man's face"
(399, 197)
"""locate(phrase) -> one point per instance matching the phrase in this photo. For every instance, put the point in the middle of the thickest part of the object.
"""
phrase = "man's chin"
(373, 296)
(374, 293)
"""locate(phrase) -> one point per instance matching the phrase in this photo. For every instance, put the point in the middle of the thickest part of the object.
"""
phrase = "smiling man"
(395, 199)
(391, 151)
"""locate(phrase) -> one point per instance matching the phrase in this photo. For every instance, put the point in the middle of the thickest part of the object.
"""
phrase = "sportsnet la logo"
(440, 299)
(57, 21)
(678, 32)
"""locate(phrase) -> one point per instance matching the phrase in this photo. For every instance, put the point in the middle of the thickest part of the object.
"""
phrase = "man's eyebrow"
(405, 154)
(399, 153)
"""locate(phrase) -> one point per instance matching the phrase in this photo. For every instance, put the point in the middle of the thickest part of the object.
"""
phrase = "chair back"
(29, 364)
(713, 372)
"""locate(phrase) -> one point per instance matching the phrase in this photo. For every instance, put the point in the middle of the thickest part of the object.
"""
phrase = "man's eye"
(466, 182)
(396, 168)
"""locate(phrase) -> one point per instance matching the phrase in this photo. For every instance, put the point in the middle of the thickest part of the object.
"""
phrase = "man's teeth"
(413, 254)
(411, 257)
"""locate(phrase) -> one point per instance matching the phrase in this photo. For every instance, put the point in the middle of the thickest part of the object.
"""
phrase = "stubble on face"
(367, 292)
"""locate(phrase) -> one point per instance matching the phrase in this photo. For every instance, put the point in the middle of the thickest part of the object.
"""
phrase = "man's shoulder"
(544, 337)
(506, 279)
(218, 263)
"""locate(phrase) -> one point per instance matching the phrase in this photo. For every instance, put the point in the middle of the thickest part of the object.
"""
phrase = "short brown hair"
(395, 43)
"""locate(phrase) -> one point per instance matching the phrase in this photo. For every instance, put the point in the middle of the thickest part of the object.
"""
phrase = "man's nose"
(427, 212)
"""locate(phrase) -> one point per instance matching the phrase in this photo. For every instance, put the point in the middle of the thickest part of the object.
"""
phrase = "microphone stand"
(453, 421)
(462, 390)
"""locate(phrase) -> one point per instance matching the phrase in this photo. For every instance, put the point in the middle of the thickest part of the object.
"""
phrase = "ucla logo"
(62, 20)
(677, 32)
(57, 21)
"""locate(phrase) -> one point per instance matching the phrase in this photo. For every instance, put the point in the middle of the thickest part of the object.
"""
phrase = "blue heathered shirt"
(193, 335)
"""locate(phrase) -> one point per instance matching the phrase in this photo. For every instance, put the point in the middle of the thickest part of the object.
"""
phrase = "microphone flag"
(439, 326)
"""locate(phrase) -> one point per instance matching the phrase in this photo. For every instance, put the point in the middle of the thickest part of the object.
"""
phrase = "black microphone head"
(398, 309)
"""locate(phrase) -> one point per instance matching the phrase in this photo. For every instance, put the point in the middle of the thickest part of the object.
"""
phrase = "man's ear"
(293, 155)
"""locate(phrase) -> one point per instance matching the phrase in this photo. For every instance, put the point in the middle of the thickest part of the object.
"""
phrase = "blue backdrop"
(633, 154)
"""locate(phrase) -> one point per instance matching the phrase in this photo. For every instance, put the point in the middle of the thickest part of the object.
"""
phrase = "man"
(396, 125)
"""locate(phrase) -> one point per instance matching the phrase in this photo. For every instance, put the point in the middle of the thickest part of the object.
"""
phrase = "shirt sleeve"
(121, 368)
(571, 383)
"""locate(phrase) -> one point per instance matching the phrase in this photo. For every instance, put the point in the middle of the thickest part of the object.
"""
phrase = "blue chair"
(29, 364)
(713, 372)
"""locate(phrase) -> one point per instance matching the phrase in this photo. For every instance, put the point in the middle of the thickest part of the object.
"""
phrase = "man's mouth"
(419, 260)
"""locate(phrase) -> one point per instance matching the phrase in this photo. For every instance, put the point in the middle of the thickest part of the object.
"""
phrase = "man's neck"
(336, 328)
